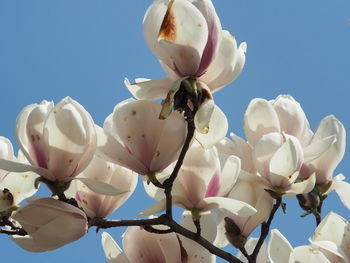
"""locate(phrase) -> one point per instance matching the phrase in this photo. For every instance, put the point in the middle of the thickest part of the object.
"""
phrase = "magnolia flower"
(238, 228)
(329, 244)
(203, 183)
(98, 205)
(49, 223)
(187, 38)
(141, 246)
(14, 187)
(58, 141)
(133, 136)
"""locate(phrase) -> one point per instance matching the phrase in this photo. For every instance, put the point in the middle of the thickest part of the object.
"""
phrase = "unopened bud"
(234, 234)
(6, 200)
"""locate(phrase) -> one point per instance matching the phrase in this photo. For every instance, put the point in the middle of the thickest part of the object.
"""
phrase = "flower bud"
(50, 224)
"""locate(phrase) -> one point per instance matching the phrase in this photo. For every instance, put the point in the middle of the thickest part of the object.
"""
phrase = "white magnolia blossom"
(329, 244)
(14, 187)
(141, 246)
(133, 136)
(203, 183)
(49, 223)
(96, 204)
(189, 42)
(58, 141)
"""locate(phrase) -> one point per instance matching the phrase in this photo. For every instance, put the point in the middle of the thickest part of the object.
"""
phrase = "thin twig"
(18, 232)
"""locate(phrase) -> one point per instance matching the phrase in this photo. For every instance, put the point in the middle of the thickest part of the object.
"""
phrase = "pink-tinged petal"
(227, 205)
(183, 35)
(150, 89)
(218, 126)
(151, 25)
(27, 243)
(214, 185)
(263, 151)
(328, 161)
(111, 150)
(260, 118)
(198, 169)
(29, 132)
(207, 9)
(291, 116)
(249, 247)
(307, 254)
(136, 125)
(112, 251)
(70, 139)
(279, 249)
(227, 65)
(143, 247)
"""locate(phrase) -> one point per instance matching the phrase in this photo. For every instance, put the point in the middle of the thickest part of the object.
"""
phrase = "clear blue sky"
(50, 49)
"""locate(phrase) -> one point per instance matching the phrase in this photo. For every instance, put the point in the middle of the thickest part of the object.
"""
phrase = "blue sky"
(84, 49)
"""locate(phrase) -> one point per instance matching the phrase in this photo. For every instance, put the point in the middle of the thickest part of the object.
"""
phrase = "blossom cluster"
(227, 187)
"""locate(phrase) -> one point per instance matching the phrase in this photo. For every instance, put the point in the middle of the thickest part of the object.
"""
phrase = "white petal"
(343, 191)
(249, 247)
(303, 187)
(307, 254)
(6, 152)
(230, 169)
(227, 205)
(279, 249)
(318, 147)
(154, 209)
(112, 251)
(100, 187)
(264, 150)
(218, 126)
(20, 185)
(328, 161)
(151, 25)
(285, 160)
(212, 225)
(70, 137)
(203, 116)
(330, 250)
(336, 229)
(22, 168)
(291, 116)
(260, 118)
(183, 35)
(150, 89)
(227, 65)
